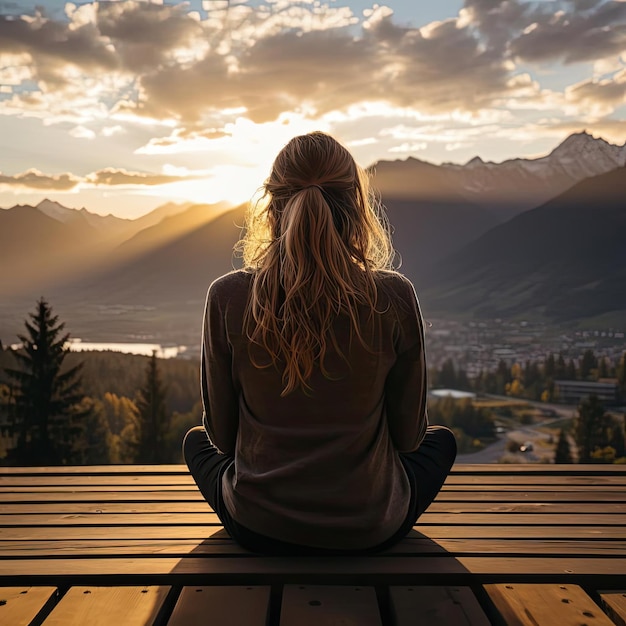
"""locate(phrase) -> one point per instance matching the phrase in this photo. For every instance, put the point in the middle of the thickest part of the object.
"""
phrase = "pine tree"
(588, 363)
(563, 452)
(593, 428)
(447, 375)
(549, 366)
(621, 378)
(153, 417)
(45, 418)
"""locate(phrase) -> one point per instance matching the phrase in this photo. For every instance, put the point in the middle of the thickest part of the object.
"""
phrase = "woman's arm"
(406, 385)
(219, 395)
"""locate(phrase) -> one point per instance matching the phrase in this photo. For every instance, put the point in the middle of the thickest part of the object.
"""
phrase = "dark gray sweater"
(322, 469)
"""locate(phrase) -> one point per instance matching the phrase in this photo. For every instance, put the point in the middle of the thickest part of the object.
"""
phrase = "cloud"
(53, 45)
(34, 179)
(575, 36)
(603, 95)
(156, 63)
(115, 177)
(109, 131)
(80, 132)
(145, 34)
(183, 140)
(570, 31)
(318, 71)
(613, 130)
(165, 63)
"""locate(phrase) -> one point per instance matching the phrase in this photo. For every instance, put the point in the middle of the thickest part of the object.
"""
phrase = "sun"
(235, 164)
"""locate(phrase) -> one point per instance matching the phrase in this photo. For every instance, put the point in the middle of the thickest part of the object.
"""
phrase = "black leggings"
(427, 469)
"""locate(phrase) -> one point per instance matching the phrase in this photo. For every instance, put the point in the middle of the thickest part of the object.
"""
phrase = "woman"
(315, 436)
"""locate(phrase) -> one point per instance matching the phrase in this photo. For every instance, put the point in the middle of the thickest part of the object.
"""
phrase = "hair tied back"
(313, 185)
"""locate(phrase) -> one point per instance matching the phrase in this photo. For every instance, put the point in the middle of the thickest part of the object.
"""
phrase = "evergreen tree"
(447, 375)
(45, 417)
(153, 416)
(563, 452)
(593, 428)
(503, 376)
(96, 441)
(588, 363)
(549, 366)
(603, 368)
(621, 377)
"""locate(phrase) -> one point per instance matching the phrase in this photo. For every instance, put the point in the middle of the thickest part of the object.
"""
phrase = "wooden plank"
(191, 491)
(19, 606)
(519, 479)
(615, 606)
(565, 494)
(187, 480)
(570, 508)
(243, 606)
(427, 519)
(97, 479)
(107, 606)
(112, 519)
(457, 468)
(536, 468)
(224, 546)
(436, 606)
(105, 508)
(545, 605)
(384, 569)
(204, 531)
(184, 508)
(95, 495)
(571, 495)
(321, 605)
(177, 468)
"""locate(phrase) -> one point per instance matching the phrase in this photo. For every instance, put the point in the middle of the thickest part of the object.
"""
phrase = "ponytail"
(313, 250)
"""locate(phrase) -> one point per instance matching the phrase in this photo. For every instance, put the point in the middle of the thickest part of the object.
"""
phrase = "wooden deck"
(129, 546)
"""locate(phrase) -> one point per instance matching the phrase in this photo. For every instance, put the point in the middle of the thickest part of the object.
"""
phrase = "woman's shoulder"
(230, 284)
(391, 279)
(398, 291)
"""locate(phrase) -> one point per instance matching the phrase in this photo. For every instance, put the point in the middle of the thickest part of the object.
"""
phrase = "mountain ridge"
(506, 188)
(564, 259)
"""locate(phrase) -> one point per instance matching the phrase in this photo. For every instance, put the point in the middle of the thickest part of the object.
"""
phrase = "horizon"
(223, 206)
(154, 102)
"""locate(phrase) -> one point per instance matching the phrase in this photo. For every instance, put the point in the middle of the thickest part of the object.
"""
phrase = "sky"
(120, 106)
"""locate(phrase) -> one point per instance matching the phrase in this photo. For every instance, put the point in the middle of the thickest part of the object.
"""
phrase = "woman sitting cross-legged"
(315, 437)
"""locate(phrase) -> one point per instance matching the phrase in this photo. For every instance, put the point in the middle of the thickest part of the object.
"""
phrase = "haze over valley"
(528, 239)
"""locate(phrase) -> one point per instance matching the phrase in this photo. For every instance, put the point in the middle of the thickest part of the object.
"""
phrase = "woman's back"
(313, 456)
(313, 368)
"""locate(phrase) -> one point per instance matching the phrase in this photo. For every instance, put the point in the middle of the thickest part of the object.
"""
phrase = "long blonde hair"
(313, 242)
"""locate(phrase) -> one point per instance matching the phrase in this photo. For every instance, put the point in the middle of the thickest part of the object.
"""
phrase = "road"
(494, 452)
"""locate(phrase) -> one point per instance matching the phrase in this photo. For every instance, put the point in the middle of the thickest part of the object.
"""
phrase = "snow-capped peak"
(584, 146)
(475, 162)
(56, 211)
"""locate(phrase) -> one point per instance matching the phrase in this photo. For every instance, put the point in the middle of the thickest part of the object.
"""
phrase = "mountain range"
(505, 189)
(563, 260)
(538, 236)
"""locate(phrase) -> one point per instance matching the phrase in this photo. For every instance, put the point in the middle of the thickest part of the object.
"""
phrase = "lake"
(167, 352)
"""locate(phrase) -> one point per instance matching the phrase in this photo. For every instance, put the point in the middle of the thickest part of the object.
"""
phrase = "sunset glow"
(119, 106)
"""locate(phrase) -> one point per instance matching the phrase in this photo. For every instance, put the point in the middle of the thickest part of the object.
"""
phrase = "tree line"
(532, 380)
(595, 434)
(58, 407)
